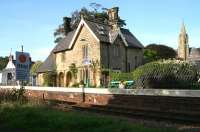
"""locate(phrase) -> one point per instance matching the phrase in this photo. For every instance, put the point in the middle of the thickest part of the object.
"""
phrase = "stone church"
(185, 52)
(94, 48)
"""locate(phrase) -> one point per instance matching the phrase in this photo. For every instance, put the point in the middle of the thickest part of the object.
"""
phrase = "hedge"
(168, 74)
(115, 76)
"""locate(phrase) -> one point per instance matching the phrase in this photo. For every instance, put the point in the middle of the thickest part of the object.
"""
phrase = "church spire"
(11, 56)
(183, 30)
(183, 48)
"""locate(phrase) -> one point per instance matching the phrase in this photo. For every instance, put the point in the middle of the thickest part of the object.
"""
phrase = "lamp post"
(87, 63)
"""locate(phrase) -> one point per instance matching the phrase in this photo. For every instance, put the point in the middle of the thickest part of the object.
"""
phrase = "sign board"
(86, 62)
(22, 66)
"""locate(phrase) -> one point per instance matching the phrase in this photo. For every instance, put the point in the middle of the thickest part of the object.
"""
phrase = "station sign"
(22, 66)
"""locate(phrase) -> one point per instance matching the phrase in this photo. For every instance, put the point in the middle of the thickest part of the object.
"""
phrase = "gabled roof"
(131, 40)
(48, 64)
(65, 42)
(101, 32)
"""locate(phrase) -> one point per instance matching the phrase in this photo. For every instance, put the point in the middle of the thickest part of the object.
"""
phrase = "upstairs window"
(63, 56)
(116, 50)
(85, 51)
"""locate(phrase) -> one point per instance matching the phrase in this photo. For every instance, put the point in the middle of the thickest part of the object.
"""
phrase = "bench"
(115, 84)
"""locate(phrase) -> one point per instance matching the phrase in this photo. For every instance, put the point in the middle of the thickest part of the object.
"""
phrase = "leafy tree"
(35, 67)
(150, 55)
(63, 29)
(3, 62)
(154, 52)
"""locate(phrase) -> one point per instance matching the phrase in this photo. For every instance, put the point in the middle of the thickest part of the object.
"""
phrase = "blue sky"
(32, 22)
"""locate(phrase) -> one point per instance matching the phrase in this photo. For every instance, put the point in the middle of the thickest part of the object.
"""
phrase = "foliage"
(74, 70)
(115, 76)
(49, 78)
(35, 67)
(150, 55)
(154, 52)
(17, 95)
(75, 85)
(166, 74)
(3, 62)
(33, 118)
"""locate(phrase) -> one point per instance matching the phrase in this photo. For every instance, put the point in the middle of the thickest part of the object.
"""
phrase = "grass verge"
(36, 118)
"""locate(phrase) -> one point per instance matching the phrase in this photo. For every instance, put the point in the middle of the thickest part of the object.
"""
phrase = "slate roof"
(109, 35)
(64, 43)
(48, 64)
(102, 31)
(131, 40)
(97, 27)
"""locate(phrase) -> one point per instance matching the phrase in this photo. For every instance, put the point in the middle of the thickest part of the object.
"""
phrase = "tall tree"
(154, 52)
(34, 68)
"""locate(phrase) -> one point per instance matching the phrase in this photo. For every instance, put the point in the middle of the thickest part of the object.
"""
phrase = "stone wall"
(134, 58)
(126, 60)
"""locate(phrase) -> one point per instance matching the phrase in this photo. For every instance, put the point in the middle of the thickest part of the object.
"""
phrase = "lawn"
(34, 118)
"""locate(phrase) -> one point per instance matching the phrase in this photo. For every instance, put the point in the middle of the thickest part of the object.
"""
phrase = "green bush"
(49, 78)
(120, 76)
(75, 85)
(167, 74)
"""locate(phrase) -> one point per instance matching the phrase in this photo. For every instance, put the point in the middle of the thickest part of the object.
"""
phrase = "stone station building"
(107, 46)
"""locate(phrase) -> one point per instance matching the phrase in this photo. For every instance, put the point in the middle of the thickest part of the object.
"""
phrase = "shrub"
(75, 85)
(13, 95)
(49, 78)
(166, 74)
(120, 76)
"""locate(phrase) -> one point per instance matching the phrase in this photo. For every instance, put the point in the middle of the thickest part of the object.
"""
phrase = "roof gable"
(81, 24)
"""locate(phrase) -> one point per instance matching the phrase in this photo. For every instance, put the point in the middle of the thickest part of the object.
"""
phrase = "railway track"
(173, 117)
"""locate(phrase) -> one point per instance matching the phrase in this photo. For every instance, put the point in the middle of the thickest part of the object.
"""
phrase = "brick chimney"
(67, 24)
(113, 18)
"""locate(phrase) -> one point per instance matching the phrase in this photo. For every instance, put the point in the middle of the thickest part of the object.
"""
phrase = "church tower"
(183, 48)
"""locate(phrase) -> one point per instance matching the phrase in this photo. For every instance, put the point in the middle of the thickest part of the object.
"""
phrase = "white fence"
(151, 92)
